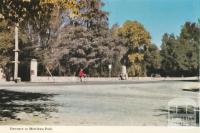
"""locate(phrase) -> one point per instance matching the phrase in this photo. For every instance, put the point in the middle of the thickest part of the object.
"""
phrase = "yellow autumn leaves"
(136, 57)
(72, 5)
(137, 39)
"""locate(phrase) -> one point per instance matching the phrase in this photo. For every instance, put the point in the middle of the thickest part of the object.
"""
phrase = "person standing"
(81, 74)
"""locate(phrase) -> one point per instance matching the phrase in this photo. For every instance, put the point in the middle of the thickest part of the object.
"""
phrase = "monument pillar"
(33, 69)
(2, 75)
(124, 72)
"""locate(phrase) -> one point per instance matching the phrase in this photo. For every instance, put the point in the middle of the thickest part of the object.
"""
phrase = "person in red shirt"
(81, 74)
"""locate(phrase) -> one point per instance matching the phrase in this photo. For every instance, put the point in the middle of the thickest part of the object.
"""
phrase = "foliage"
(37, 16)
(66, 35)
(92, 15)
(152, 60)
(84, 41)
(7, 46)
(168, 54)
(19, 10)
(36, 22)
(179, 54)
(5, 43)
(137, 41)
(78, 47)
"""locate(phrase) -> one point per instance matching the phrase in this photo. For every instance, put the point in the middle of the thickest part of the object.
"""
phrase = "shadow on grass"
(12, 102)
(190, 80)
(192, 90)
(163, 112)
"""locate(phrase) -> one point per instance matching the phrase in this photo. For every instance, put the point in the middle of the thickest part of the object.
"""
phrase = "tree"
(199, 51)
(152, 60)
(6, 46)
(79, 47)
(15, 12)
(169, 64)
(85, 41)
(137, 40)
(19, 10)
(180, 54)
(189, 41)
(92, 15)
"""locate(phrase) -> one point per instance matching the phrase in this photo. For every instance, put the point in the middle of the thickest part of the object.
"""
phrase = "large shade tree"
(152, 60)
(6, 45)
(37, 13)
(169, 62)
(84, 42)
(180, 54)
(78, 47)
(188, 49)
(137, 41)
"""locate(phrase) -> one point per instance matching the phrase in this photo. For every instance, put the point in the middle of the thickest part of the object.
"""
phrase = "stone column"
(33, 69)
(124, 72)
(16, 50)
(2, 76)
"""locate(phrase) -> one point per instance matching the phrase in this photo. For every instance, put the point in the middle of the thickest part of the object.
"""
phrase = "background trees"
(137, 41)
(189, 41)
(6, 43)
(65, 36)
(180, 54)
(78, 47)
(84, 42)
(35, 17)
(168, 54)
(152, 60)
(6, 46)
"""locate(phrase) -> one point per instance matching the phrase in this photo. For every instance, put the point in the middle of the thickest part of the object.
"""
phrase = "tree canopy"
(180, 54)
(66, 35)
(137, 41)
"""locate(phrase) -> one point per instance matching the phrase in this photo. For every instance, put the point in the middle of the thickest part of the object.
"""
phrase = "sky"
(157, 16)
